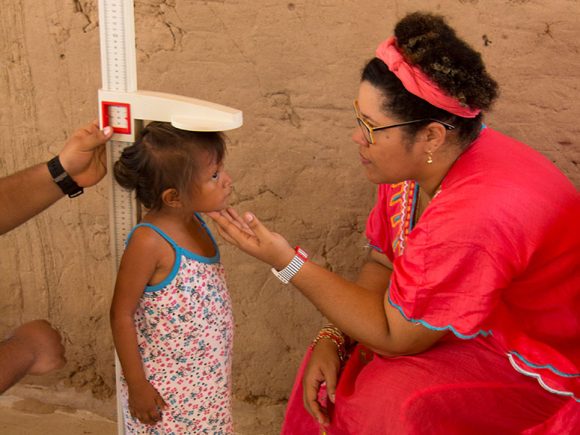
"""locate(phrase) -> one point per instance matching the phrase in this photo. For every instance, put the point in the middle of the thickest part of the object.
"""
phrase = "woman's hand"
(249, 235)
(145, 403)
(323, 366)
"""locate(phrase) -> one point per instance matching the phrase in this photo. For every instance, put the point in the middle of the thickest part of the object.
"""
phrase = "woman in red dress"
(466, 316)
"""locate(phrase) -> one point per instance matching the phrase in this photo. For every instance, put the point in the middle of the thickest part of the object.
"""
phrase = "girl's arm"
(138, 264)
(360, 310)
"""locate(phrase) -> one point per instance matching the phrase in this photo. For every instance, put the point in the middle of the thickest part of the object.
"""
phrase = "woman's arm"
(361, 310)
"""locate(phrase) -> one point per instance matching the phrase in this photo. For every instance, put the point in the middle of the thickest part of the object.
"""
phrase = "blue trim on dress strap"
(170, 277)
(156, 229)
(546, 366)
(439, 328)
(179, 252)
(176, 263)
(217, 256)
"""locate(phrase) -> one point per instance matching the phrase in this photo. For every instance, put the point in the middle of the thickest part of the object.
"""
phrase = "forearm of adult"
(359, 309)
(25, 194)
(355, 308)
(16, 359)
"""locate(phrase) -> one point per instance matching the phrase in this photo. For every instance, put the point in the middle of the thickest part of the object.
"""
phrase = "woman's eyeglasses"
(368, 131)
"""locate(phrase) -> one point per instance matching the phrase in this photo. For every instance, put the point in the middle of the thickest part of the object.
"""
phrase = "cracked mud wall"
(293, 68)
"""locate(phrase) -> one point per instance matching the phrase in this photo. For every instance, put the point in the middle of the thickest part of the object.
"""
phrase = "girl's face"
(391, 159)
(212, 189)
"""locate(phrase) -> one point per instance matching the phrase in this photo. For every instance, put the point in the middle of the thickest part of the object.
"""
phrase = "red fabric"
(418, 83)
(498, 251)
(495, 258)
(457, 387)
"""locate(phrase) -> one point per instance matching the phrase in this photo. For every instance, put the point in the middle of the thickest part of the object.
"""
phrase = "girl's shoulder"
(147, 235)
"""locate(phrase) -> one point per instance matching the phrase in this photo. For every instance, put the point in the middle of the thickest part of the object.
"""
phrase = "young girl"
(171, 314)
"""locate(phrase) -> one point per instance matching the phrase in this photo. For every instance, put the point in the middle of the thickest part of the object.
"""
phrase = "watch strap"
(62, 179)
(286, 274)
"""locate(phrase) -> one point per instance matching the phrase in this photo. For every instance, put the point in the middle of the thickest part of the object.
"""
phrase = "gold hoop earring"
(429, 158)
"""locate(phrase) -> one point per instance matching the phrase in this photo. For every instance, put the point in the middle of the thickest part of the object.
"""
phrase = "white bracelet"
(286, 274)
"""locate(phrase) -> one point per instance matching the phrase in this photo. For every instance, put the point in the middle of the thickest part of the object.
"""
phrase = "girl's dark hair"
(164, 157)
(428, 42)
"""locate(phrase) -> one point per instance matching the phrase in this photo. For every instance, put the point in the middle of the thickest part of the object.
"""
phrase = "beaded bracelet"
(336, 336)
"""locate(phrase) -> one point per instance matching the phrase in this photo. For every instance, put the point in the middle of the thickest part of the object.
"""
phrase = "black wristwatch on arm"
(62, 179)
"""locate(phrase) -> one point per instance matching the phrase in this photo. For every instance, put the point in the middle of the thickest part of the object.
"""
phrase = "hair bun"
(428, 42)
(125, 174)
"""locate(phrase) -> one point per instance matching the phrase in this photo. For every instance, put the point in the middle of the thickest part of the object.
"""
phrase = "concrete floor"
(29, 416)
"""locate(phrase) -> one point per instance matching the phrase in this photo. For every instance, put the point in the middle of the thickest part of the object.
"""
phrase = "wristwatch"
(62, 179)
(286, 274)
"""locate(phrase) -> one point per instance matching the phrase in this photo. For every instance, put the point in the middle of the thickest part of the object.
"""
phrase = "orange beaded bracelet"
(333, 334)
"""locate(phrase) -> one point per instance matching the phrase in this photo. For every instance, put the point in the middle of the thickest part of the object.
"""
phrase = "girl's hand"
(323, 367)
(249, 235)
(145, 403)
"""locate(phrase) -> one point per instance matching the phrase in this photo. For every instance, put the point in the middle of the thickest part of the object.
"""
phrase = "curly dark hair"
(428, 42)
(164, 157)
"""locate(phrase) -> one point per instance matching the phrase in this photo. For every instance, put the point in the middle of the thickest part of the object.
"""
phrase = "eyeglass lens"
(365, 130)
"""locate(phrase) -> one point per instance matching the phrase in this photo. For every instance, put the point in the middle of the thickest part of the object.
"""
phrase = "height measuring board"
(125, 108)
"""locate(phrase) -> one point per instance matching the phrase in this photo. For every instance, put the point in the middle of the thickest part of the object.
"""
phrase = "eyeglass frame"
(362, 123)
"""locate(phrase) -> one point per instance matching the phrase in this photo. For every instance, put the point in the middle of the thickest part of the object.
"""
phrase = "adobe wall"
(293, 68)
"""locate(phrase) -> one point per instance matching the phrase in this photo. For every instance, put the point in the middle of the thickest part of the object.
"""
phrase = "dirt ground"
(28, 416)
(293, 68)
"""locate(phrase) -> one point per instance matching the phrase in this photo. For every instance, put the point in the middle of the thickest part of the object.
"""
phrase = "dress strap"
(206, 228)
(201, 221)
(157, 230)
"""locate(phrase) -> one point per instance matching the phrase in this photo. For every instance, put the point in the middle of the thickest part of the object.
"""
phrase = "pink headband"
(417, 82)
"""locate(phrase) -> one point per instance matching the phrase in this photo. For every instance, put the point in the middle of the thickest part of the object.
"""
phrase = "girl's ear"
(170, 198)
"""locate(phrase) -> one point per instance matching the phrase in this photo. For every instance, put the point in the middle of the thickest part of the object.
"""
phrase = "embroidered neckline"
(403, 221)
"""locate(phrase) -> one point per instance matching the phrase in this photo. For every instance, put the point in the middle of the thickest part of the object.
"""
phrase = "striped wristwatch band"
(286, 274)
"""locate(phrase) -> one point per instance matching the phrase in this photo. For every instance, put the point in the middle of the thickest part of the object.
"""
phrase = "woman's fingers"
(238, 219)
(232, 230)
(226, 237)
(311, 402)
(330, 376)
(234, 218)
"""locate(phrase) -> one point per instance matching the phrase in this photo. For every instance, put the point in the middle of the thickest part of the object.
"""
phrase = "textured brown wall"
(293, 68)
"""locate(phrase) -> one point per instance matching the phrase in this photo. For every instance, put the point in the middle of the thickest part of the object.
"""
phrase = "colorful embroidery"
(402, 205)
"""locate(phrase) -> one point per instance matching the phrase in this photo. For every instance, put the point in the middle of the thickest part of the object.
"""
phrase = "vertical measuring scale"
(119, 74)
(125, 108)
